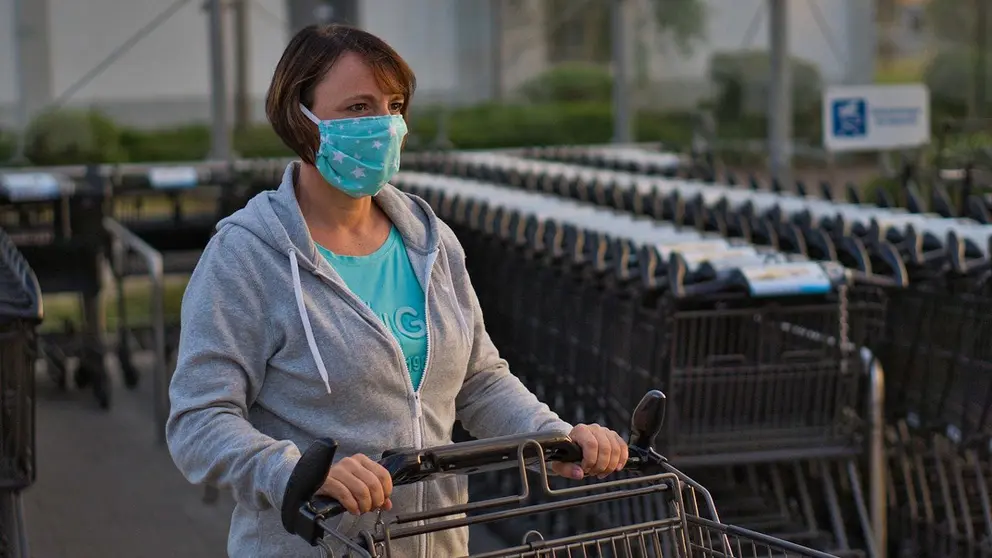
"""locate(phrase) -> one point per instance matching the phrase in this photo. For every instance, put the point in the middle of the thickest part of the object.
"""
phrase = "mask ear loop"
(313, 118)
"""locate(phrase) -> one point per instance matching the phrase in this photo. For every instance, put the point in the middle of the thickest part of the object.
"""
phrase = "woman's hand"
(359, 484)
(603, 452)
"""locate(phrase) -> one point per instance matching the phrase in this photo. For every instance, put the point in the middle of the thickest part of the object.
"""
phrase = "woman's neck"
(327, 208)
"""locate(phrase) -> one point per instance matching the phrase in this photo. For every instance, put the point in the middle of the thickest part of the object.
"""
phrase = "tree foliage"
(953, 21)
(582, 30)
(683, 20)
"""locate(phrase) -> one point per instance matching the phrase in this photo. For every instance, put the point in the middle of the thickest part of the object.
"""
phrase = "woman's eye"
(396, 107)
(360, 107)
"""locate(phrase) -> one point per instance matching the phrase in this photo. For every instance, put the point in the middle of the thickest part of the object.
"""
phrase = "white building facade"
(163, 79)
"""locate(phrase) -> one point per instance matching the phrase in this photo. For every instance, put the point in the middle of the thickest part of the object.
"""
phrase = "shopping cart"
(56, 220)
(20, 314)
(941, 431)
(588, 321)
(688, 525)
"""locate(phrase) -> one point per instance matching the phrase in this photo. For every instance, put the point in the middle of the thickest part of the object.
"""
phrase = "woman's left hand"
(603, 452)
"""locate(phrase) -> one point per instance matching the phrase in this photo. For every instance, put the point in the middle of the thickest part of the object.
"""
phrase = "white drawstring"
(305, 318)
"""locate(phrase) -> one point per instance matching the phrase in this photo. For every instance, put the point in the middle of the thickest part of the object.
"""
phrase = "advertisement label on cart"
(876, 117)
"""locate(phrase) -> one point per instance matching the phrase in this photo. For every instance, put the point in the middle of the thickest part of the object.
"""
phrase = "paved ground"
(106, 489)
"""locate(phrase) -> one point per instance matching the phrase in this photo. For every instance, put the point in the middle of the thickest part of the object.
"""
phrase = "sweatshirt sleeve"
(224, 347)
(492, 401)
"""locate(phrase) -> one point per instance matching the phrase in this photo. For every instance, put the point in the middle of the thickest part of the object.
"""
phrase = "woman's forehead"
(352, 75)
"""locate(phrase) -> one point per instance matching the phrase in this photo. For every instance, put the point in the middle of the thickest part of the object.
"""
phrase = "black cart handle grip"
(302, 509)
(306, 479)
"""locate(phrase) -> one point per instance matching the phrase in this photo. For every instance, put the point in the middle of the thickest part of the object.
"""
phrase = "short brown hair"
(309, 55)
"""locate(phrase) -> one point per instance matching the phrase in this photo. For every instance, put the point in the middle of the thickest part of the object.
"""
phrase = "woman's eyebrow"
(367, 97)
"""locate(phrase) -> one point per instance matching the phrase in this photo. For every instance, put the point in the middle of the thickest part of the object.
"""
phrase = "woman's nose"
(381, 109)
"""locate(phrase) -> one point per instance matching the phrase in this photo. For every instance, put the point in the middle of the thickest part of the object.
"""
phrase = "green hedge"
(79, 137)
(496, 126)
(76, 137)
(574, 82)
(738, 75)
(73, 136)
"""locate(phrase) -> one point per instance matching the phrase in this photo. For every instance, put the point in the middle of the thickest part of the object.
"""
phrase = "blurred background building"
(146, 65)
(464, 51)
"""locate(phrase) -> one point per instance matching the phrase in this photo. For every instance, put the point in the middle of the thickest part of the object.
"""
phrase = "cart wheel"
(83, 376)
(56, 369)
(101, 389)
(129, 370)
(97, 377)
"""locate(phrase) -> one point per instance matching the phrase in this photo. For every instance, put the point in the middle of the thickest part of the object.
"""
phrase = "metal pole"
(496, 48)
(242, 50)
(863, 37)
(981, 58)
(621, 93)
(22, 86)
(780, 95)
(220, 138)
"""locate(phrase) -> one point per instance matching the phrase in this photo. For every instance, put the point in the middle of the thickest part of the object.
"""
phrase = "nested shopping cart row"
(934, 342)
(759, 361)
(651, 159)
(648, 159)
(937, 352)
(74, 224)
(793, 223)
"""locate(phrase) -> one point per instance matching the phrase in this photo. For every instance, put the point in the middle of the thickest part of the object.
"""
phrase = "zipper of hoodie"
(418, 410)
(431, 258)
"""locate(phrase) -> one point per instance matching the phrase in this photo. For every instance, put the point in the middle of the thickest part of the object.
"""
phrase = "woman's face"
(350, 90)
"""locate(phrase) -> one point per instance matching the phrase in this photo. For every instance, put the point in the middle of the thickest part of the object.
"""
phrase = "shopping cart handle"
(647, 419)
(303, 512)
(895, 267)
(299, 508)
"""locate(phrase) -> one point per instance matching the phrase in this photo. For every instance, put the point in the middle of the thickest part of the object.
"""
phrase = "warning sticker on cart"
(745, 257)
(787, 279)
(720, 259)
(692, 247)
(30, 186)
(172, 178)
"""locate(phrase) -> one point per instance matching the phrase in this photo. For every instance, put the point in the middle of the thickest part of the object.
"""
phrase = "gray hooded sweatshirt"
(276, 351)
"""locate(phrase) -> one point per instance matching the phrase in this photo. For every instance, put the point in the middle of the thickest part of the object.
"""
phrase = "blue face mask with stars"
(359, 155)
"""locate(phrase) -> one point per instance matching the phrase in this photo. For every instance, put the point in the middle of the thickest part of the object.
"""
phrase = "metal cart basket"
(658, 513)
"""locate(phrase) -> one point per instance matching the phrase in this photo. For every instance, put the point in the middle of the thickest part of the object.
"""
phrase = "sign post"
(876, 117)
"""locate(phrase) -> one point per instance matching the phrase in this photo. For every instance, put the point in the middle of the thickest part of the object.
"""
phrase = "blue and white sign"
(876, 117)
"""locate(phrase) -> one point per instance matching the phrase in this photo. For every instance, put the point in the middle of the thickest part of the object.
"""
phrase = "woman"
(338, 306)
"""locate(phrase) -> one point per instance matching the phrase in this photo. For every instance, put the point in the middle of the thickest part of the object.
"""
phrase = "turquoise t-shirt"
(385, 281)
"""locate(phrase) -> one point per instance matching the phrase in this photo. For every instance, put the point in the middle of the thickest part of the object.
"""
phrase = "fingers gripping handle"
(300, 511)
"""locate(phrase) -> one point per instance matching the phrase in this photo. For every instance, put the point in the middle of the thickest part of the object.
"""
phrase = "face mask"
(359, 155)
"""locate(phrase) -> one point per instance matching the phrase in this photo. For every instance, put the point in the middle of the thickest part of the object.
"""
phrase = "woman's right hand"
(359, 484)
